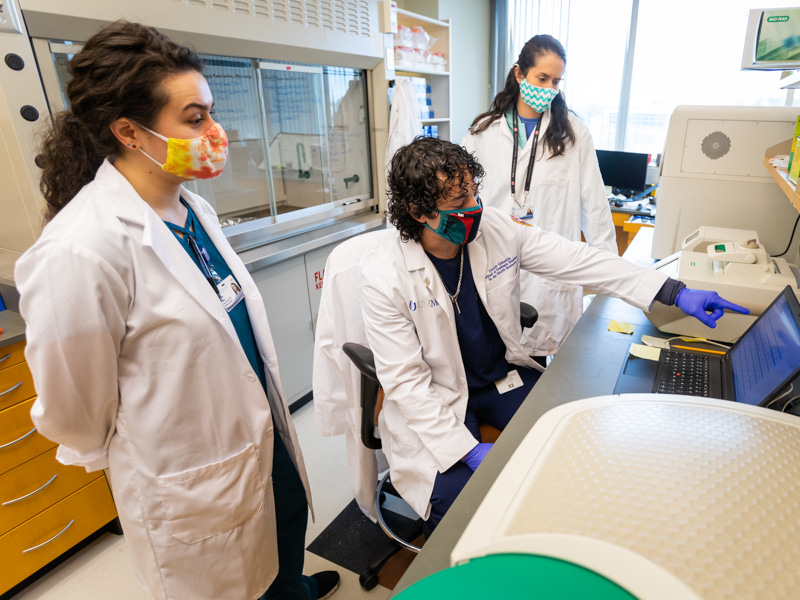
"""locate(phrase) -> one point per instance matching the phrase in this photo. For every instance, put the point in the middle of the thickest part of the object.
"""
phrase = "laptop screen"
(767, 354)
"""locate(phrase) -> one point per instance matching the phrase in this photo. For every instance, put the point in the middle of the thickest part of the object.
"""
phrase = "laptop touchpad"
(637, 375)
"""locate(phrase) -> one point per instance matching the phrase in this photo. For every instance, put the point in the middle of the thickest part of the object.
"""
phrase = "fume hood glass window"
(62, 52)
(348, 132)
(298, 135)
(241, 192)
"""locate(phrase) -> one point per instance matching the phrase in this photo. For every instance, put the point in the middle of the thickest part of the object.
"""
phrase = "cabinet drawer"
(11, 355)
(35, 485)
(19, 441)
(16, 385)
(27, 548)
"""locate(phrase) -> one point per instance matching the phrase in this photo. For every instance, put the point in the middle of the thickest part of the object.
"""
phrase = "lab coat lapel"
(416, 260)
(477, 261)
(157, 236)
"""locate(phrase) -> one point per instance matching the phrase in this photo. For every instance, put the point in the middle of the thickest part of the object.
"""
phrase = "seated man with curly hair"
(441, 311)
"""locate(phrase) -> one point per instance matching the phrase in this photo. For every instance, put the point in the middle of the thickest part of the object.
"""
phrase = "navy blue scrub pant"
(291, 514)
(485, 405)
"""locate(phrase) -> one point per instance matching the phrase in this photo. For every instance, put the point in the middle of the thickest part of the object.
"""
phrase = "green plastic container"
(516, 576)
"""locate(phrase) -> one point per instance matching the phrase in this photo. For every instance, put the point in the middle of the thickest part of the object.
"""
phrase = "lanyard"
(199, 251)
(532, 159)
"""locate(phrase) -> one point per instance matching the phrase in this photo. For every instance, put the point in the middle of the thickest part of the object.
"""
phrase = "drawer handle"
(11, 389)
(19, 439)
(5, 357)
(55, 537)
(52, 479)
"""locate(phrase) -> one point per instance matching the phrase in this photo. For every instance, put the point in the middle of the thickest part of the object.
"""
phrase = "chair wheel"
(368, 579)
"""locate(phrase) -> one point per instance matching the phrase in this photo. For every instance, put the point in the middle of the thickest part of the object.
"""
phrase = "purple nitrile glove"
(475, 456)
(697, 303)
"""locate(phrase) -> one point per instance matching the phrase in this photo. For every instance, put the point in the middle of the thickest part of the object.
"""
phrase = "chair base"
(368, 578)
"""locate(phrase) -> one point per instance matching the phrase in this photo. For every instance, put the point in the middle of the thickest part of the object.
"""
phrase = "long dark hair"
(559, 133)
(421, 174)
(118, 73)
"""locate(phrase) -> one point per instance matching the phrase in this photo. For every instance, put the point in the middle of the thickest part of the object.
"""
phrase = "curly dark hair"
(423, 173)
(559, 133)
(118, 73)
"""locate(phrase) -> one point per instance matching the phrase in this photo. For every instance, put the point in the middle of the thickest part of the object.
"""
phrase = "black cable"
(789, 245)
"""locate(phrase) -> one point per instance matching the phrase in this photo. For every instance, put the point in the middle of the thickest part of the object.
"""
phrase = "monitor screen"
(779, 35)
(772, 40)
(768, 354)
(625, 172)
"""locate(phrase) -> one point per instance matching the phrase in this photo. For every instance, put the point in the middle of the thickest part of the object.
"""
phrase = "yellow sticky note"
(620, 327)
(646, 352)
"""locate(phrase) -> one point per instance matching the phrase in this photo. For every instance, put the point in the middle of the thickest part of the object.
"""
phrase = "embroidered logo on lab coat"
(520, 221)
(413, 304)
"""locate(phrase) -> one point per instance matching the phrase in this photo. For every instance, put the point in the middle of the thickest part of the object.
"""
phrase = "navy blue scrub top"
(482, 349)
(239, 316)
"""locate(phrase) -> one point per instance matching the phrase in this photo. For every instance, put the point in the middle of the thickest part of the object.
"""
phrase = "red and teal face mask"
(459, 225)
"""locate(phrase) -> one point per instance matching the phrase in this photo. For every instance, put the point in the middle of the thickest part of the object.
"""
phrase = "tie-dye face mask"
(201, 158)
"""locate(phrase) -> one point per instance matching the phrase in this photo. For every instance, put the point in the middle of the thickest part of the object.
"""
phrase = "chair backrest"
(364, 361)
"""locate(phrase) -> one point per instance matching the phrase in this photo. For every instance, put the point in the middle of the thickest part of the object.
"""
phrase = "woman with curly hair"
(147, 360)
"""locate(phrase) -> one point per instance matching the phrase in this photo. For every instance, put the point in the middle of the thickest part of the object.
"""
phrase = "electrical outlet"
(10, 20)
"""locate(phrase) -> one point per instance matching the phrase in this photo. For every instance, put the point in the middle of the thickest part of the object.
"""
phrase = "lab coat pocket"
(212, 499)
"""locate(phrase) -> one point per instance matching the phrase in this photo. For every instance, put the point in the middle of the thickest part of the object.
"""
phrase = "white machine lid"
(667, 496)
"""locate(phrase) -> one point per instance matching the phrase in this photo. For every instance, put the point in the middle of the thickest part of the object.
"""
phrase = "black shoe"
(327, 583)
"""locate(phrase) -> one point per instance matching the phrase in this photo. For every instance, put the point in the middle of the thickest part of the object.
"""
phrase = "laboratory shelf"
(781, 177)
(402, 68)
(418, 19)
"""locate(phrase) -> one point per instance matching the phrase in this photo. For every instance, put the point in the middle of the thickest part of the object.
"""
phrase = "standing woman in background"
(146, 359)
(541, 166)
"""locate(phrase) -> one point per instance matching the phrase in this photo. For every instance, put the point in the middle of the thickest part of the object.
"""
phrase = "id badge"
(230, 293)
(510, 382)
(521, 212)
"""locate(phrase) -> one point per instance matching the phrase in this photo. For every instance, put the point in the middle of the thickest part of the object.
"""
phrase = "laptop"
(754, 371)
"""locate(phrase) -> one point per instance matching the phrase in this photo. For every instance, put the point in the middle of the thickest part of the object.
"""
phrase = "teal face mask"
(459, 225)
(538, 98)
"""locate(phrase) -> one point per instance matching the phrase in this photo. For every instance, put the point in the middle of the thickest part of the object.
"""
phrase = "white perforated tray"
(668, 496)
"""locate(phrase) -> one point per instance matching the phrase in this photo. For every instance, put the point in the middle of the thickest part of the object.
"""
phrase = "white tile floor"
(103, 569)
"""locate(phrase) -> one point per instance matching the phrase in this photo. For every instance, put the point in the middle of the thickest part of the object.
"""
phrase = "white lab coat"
(336, 380)
(404, 121)
(566, 196)
(410, 326)
(139, 369)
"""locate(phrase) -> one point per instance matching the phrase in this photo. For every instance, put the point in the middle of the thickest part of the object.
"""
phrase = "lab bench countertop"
(13, 328)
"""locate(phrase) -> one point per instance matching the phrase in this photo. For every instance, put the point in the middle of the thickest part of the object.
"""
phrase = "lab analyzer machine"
(735, 264)
(713, 173)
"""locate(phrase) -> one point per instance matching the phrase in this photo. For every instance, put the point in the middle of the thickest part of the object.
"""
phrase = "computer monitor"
(772, 41)
(625, 172)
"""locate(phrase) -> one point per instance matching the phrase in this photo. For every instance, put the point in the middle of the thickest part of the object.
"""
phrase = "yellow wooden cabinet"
(45, 507)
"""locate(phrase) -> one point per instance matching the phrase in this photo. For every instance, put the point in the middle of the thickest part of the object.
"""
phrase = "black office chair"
(364, 360)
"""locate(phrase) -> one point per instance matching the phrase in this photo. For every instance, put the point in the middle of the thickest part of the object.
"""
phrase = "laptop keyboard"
(684, 374)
